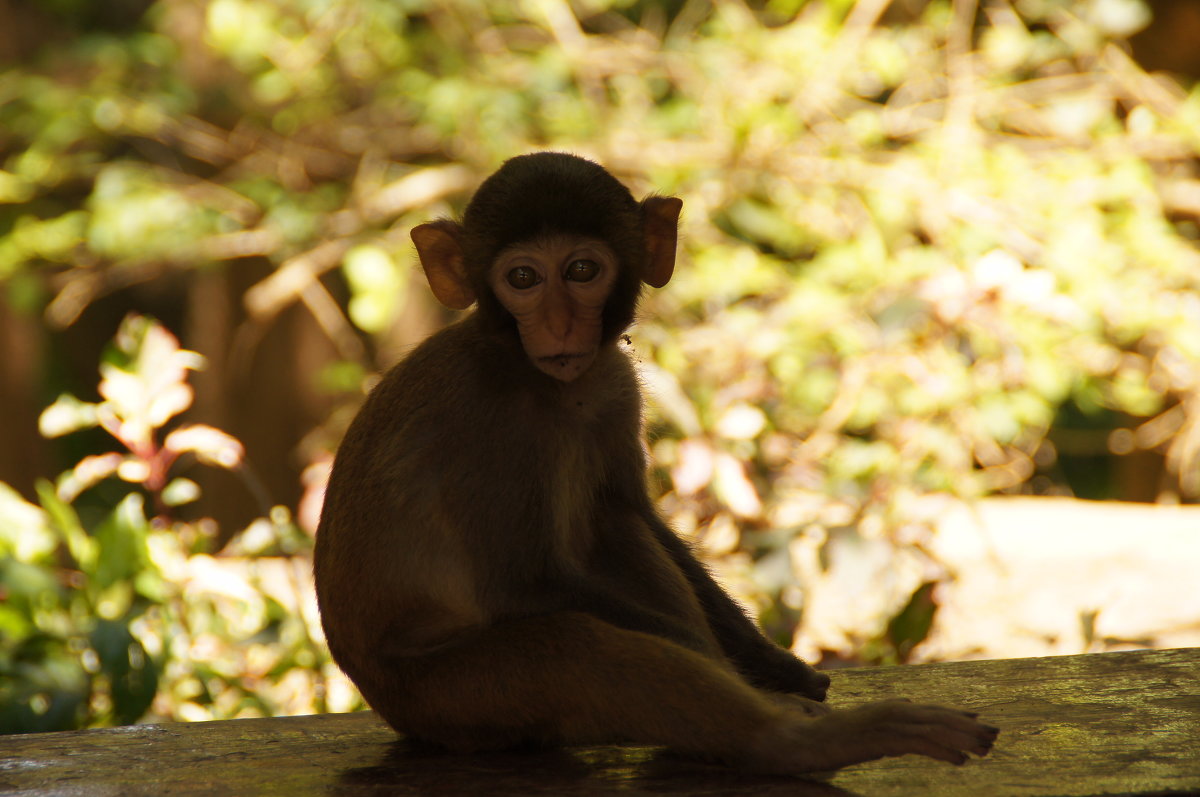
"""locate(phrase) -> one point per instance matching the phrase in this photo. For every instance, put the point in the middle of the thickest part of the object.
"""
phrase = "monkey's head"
(555, 250)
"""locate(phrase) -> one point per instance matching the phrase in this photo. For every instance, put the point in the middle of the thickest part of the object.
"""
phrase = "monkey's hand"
(892, 728)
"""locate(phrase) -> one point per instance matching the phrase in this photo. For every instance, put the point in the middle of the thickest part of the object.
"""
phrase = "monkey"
(490, 567)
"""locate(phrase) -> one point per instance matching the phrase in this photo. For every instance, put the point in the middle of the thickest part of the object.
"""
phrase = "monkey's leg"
(571, 678)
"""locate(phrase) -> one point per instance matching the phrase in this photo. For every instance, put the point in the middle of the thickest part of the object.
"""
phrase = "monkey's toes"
(987, 738)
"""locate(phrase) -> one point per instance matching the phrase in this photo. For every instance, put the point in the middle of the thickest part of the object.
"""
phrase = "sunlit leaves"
(741, 422)
(935, 258)
(69, 594)
(14, 189)
(46, 240)
(180, 491)
(79, 545)
(25, 531)
(136, 216)
(100, 610)
(377, 285)
(144, 386)
(121, 540)
(211, 446)
(144, 381)
(1117, 17)
(67, 414)
(245, 31)
(733, 487)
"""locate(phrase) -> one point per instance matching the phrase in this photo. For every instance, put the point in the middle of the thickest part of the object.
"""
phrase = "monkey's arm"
(758, 659)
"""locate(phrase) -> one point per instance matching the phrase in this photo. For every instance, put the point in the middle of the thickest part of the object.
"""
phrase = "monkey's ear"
(660, 218)
(442, 258)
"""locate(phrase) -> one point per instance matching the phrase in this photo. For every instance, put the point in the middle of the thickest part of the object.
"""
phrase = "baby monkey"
(490, 567)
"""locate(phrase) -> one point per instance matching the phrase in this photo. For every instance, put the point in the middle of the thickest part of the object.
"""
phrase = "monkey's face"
(554, 245)
(556, 287)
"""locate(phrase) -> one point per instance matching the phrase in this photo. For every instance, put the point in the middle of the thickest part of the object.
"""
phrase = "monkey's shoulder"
(455, 405)
(442, 369)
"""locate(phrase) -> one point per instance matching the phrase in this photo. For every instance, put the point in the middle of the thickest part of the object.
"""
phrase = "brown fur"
(491, 570)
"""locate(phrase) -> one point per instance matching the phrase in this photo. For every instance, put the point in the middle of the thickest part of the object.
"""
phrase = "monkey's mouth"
(559, 360)
(564, 367)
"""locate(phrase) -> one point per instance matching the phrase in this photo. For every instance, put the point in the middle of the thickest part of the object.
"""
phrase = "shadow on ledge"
(1101, 724)
(417, 769)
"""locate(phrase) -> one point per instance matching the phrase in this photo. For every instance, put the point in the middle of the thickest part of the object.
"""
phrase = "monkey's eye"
(522, 277)
(582, 270)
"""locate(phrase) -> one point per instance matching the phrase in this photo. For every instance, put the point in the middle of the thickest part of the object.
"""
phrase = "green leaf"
(66, 522)
(133, 676)
(27, 589)
(912, 624)
(377, 287)
(43, 687)
(121, 538)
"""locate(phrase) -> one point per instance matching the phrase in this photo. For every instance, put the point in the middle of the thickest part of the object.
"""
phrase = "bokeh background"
(926, 384)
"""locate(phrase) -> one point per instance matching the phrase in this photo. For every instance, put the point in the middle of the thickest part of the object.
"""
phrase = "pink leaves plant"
(143, 386)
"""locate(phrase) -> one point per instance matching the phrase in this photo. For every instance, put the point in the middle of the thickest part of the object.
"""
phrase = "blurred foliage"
(926, 246)
(109, 616)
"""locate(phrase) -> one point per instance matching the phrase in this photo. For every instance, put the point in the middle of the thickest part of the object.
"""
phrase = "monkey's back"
(404, 554)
